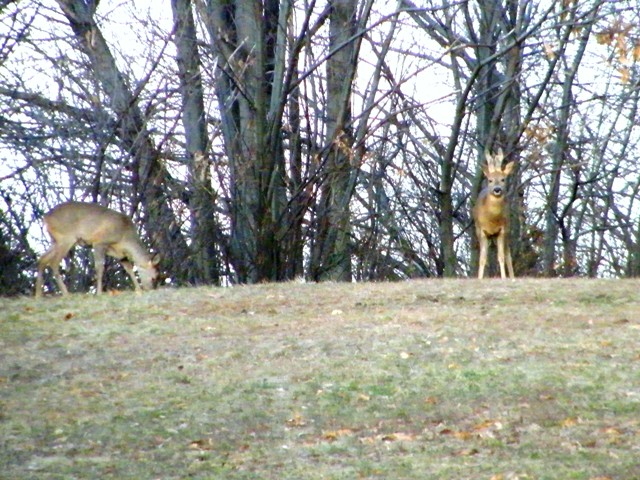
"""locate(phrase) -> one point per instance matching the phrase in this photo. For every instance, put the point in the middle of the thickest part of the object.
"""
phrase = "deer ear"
(155, 260)
(508, 168)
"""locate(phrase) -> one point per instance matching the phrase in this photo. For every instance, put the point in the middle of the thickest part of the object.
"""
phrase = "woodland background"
(336, 140)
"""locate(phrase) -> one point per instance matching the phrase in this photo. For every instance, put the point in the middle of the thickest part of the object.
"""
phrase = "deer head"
(109, 232)
(491, 213)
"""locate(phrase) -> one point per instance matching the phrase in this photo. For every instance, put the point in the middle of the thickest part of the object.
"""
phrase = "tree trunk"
(561, 146)
(204, 266)
(331, 256)
(243, 37)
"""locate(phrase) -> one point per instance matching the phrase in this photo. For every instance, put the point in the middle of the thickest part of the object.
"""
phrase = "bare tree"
(205, 234)
(267, 140)
(331, 253)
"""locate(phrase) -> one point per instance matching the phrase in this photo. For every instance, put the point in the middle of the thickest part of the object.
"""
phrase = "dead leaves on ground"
(513, 476)
(334, 435)
(485, 429)
(482, 430)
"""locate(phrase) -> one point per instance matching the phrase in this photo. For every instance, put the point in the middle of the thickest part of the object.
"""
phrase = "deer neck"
(130, 249)
(495, 206)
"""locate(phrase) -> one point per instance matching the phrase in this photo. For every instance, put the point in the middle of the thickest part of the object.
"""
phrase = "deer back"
(91, 224)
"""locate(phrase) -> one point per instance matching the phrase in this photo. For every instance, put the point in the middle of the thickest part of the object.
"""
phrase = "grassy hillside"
(461, 379)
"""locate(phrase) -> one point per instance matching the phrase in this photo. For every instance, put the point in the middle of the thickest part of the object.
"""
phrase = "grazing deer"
(109, 232)
(491, 213)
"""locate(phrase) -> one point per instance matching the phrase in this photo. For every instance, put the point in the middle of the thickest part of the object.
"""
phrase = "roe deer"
(491, 213)
(109, 232)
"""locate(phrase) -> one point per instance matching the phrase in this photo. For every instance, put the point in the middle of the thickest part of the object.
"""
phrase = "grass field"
(435, 379)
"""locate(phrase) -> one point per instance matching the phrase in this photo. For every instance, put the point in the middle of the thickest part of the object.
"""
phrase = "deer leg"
(52, 258)
(509, 263)
(99, 253)
(128, 266)
(121, 256)
(43, 263)
(484, 246)
(501, 240)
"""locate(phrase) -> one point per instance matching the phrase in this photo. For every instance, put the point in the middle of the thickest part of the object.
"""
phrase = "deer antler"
(491, 213)
(494, 162)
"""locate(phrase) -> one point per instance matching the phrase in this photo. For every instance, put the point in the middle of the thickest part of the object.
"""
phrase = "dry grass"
(460, 379)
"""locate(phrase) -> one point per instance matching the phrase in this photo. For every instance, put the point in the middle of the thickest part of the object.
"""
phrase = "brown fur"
(491, 214)
(109, 232)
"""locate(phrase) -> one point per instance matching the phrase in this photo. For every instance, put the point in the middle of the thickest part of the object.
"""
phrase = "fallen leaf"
(464, 435)
(569, 422)
(333, 435)
(368, 440)
(397, 437)
(487, 424)
(202, 444)
(296, 421)
(467, 452)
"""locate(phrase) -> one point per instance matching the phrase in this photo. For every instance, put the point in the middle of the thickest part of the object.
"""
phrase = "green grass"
(438, 379)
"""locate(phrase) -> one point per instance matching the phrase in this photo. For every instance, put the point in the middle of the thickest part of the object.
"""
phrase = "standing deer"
(491, 213)
(109, 232)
